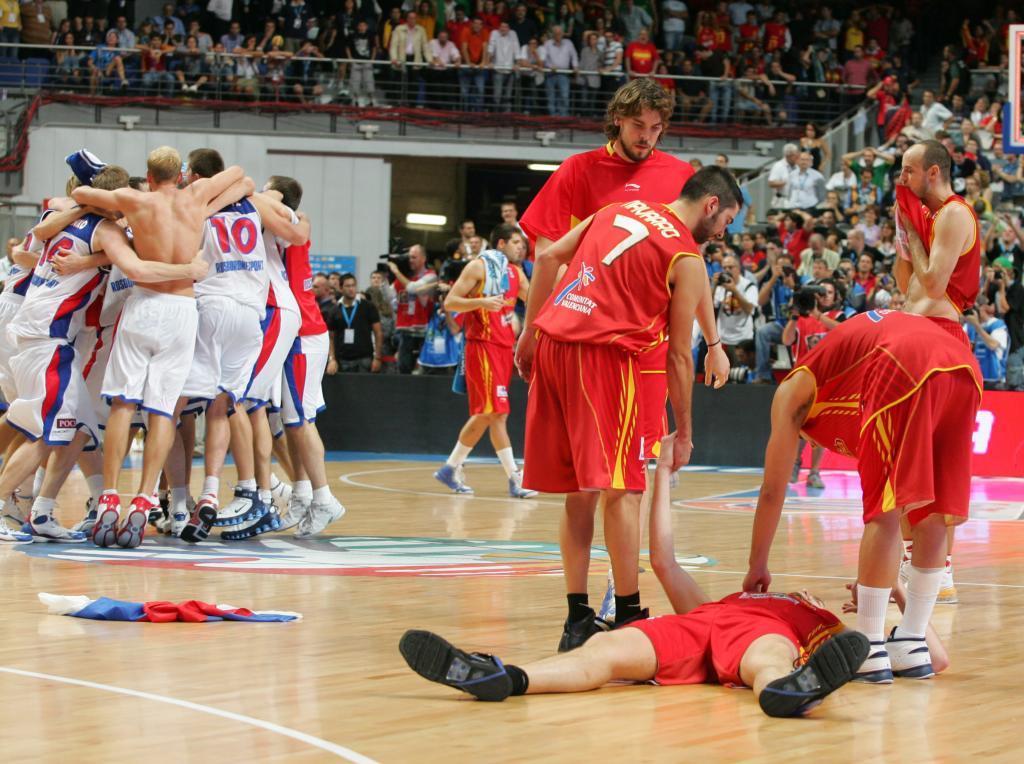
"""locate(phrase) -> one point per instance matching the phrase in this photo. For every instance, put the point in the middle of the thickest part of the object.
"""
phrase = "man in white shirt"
(502, 48)
(442, 75)
(559, 56)
(738, 12)
(806, 185)
(933, 113)
(735, 299)
(674, 15)
(778, 177)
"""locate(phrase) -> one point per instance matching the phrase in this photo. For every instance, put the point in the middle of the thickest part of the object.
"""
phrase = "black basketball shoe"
(830, 667)
(575, 633)
(482, 676)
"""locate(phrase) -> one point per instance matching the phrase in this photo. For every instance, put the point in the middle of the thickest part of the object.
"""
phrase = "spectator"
(467, 231)
(531, 78)
(358, 339)
(473, 80)
(325, 298)
(735, 299)
(826, 29)
(523, 24)
(303, 73)
(126, 38)
(775, 298)
(1009, 299)
(88, 35)
(36, 24)
(247, 66)
(812, 142)
(192, 74)
(778, 176)
(502, 49)
(168, 17)
(858, 75)
(361, 46)
(292, 20)
(915, 130)
(590, 84)
(673, 25)
(559, 55)
(961, 169)
(426, 18)
(795, 231)
(694, 102)
(1008, 174)
(641, 55)
(221, 68)
(415, 306)
(816, 249)
(457, 25)
(68, 64)
(377, 296)
(106, 64)
(488, 15)
(775, 36)
(956, 77)
(870, 158)
(718, 66)
(611, 65)
(843, 181)
(443, 75)
(991, 340)
(865, 195)
(409, 52)
(856, 246)
(865, 275)
(752, 92)
(806, 185)
(1004, 245)
(155, 77)
(233, 40)
(868, 223)
(634, 18)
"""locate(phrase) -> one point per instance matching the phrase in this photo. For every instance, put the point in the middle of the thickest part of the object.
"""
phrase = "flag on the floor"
(190, 611)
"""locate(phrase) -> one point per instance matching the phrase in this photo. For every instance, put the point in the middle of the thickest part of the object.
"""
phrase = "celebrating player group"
(145, 302)
(617, 285)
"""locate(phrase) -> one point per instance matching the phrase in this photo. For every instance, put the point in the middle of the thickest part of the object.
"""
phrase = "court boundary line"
(709, 569)
(303, 737)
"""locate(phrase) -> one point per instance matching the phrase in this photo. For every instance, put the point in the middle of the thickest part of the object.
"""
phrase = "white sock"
(458, 455)
(248, 485)
(37, 481)
(322, 494)
(508, 461)
(179, 500)
(872, 603)
(43, 506)
(95, 483)
(275, 482)
(211, 486)
(302, 488)
(266, 496)
(922, 589)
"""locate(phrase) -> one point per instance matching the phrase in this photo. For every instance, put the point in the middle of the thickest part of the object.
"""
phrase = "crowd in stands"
(764, 63)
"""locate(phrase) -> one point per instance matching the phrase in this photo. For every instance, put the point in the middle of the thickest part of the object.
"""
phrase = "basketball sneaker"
(13, 535)
(320, 515)
(280, 491)
(814, 480)
(108, 515)
(876, 668)
(827, 669)
(298, 507)
(179, 517)
(158, 515)
(452, 478)
(516, 490)
(432, 657)
(86, 523)
(203, 516)
(575, 633)
(18, 509)
(46, 528)
(268, 522)
(133, 527)
(909, 656)
(244, 507)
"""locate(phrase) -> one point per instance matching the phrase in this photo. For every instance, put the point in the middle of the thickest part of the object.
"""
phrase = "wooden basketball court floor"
(482, 571)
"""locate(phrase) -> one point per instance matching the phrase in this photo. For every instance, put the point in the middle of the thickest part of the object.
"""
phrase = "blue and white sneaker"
(18, 509)
(268, 522)
(298, 508)
(452, 478)
(12, 535)
(45, 528)
(516, 490)
(909, 656)
(607, 612)
(246, 506)
(876, 668)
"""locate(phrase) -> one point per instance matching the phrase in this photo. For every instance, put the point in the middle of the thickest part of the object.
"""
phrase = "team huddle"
(145, 302)
(618, 283)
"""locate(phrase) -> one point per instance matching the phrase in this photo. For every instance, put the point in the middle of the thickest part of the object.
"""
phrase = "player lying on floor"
(743, 639)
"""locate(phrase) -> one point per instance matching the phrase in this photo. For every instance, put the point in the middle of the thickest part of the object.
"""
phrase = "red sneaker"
(108, 514)
(133, 528)
(202, 519)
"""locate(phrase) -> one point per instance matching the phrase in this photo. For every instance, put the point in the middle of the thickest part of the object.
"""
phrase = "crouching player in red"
(900, 393)
(750, 639)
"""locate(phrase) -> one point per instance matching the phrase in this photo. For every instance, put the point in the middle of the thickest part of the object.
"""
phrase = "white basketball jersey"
(233, 245)
(54, 305)
(18, 279)
(280, 291)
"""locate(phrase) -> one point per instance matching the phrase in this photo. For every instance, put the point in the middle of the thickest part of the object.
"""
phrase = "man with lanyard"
(361, 335)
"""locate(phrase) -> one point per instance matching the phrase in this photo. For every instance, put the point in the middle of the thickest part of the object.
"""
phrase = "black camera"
(451, 269)
(997, 276)
(401, 261)
(805, 300)
(723, 278)
(970, 312)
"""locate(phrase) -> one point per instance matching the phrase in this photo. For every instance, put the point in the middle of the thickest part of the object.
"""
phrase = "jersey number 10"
(242, 235)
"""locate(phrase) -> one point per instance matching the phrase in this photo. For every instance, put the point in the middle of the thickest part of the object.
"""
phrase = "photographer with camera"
(990, 340)
(775, 298)
(416, 286)
(735, 298)
(813, 313)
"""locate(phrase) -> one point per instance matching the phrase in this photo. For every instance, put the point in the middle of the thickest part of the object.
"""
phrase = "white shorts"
(53, 402)
(280, 328)
(302, 395)
(151, 352)
(228, 342)
(7, 349)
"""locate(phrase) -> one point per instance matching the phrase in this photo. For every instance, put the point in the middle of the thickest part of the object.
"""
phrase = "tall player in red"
(634, 273)
(485, 295)
(628, 167)
(899, 393)
(939, 263)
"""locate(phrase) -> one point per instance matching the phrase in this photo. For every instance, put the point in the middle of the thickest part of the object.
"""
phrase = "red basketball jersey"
(300, 280)
(811, 624)
(494, 325)
(870, 363)
(616, 288)
(586, 182)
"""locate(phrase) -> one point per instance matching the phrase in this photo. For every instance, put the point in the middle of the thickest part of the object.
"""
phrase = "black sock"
(520, 681)
(579, 607)
(627, 607)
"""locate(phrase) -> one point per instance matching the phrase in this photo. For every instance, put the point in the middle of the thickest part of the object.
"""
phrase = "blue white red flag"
(190, 611)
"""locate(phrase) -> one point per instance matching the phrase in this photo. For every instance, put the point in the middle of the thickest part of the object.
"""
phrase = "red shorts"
(916, 455)
(707, 644)
(653, 394)
(582, 419)
(488, 372)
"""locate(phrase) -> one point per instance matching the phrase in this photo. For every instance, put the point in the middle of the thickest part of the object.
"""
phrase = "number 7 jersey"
(233, 245)
(616, 289)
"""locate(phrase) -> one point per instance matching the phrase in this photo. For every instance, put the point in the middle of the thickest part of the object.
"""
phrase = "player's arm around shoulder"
(114, 201)
(224, 188)
(111, 241)
(280, 220)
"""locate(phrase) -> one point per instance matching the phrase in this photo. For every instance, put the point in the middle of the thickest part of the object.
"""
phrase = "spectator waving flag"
(190, 611)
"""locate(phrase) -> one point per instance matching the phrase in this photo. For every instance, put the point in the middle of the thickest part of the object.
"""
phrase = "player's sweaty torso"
(168, 227)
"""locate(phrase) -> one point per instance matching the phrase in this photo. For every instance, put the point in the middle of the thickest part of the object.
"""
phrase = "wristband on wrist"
(716, 342)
